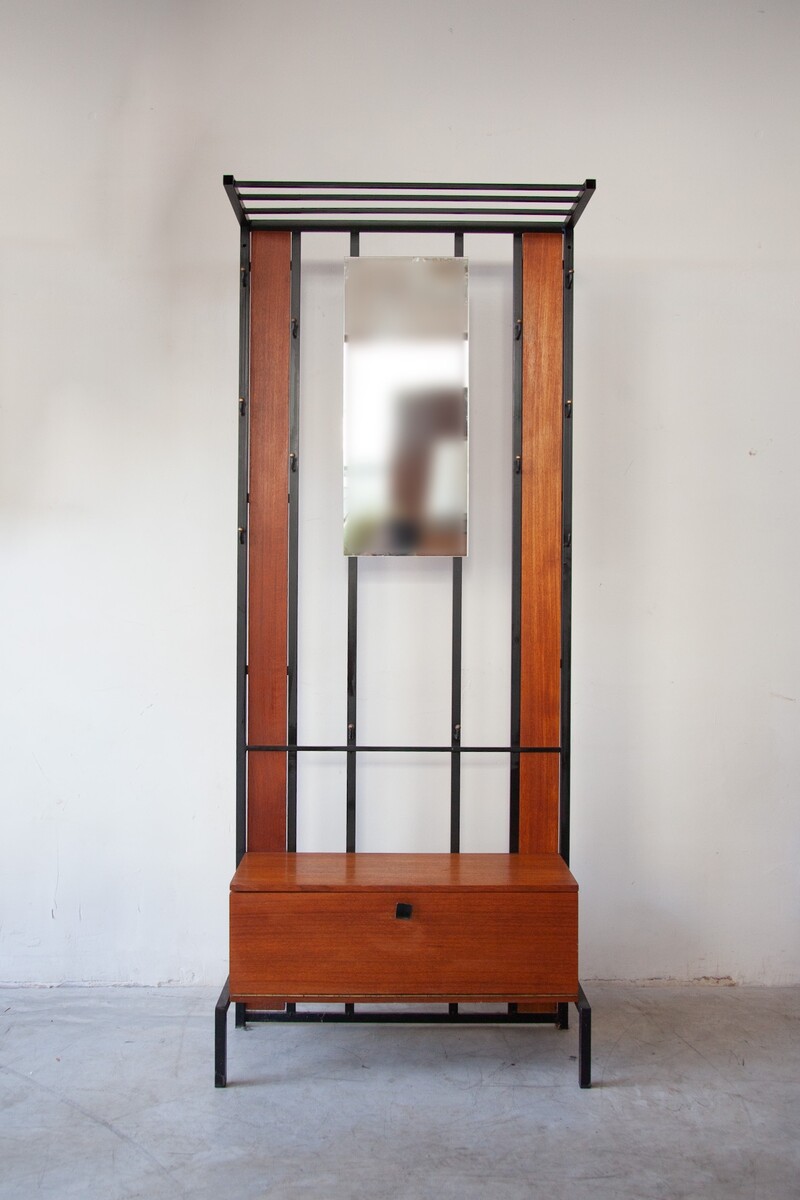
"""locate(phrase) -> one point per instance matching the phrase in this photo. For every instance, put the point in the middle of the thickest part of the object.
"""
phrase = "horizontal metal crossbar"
(403, 207)
(387, 211)
(554, 196)
(286, 185)
(457, 749)
(405, 1018)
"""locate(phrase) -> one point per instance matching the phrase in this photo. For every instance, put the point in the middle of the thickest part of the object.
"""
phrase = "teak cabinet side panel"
(268, 536)
(540, 600)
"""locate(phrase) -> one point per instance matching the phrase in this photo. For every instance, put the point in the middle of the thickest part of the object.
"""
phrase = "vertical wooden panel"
(538, 809)
(540, 675)
(268, 538)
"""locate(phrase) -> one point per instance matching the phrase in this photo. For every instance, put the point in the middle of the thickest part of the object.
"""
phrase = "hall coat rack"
(354, 929)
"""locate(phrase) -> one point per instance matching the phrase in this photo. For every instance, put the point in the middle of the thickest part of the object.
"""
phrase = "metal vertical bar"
(584, 1039)
(455, 701)
(455, 712)
(221, 1036)
(584, 196)
(294, 510)
(241, 557)
(352, 664)
(229, 183)
(516, 541)
(566, 550)
(352, 679)
(455, 680)
(352, 676)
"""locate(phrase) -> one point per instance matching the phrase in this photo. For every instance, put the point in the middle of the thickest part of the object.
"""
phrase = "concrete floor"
(108, 1093)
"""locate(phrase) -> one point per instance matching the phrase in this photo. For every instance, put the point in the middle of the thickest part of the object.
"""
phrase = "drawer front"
(349, 946)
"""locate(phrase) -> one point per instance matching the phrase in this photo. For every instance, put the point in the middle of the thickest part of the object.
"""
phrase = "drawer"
(333, 946)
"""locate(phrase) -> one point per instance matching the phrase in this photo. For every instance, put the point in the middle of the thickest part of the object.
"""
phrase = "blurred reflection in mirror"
(405, 406)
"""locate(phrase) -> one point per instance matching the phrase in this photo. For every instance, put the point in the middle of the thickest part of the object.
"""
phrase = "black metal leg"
(584, 1039)
(240, 1019)
(562, 1020)
(221, 1036)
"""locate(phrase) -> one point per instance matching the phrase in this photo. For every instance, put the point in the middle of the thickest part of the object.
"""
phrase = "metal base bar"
(290, 1015)
(584, 1039)
(402, 1018)
(221, 1035)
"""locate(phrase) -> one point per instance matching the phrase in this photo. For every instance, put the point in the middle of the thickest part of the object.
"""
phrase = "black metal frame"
(350, 1016)
(427, 207)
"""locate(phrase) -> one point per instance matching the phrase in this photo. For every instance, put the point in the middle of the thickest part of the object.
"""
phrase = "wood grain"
(266, 799)
(463, 873)
(538, 815)
(268, 536)
(351, 946)
(540, 666)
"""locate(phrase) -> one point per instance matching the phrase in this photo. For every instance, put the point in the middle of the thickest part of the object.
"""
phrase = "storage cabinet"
(403, 927)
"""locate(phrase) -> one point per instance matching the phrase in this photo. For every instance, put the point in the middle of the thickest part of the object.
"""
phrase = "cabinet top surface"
(285, 872)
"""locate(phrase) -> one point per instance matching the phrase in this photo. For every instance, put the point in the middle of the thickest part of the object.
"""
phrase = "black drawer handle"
(403, 912)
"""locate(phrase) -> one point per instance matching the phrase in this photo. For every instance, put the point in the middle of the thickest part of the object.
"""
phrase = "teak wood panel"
(285, 872)
(538, 806)
(268, 535)
(540, 598)
(330, 946)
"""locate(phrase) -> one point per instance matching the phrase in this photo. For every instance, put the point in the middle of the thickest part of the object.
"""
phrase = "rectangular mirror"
(406, 380)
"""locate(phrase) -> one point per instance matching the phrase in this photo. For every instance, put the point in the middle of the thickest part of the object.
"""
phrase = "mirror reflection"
(406, 406)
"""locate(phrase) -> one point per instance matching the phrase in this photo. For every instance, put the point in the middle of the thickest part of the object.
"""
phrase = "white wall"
(117, 486)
